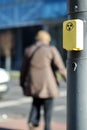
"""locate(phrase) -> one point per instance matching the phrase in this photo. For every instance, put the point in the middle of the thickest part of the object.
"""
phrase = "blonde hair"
(43, 36)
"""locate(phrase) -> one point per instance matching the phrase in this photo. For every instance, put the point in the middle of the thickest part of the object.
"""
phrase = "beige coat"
(42, 81)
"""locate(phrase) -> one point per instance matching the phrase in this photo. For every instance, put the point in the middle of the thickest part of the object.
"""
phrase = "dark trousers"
(47, 105)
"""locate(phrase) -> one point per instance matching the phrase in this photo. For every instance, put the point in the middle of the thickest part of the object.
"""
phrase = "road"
(15, 105)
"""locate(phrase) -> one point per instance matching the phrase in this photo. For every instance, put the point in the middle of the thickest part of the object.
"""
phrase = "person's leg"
(34, 116)
(48, 107)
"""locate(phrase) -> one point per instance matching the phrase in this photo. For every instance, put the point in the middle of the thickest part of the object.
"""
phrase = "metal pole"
(77, 73)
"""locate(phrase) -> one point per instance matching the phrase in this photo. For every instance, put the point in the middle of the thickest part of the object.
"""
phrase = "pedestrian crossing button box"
(73, 35)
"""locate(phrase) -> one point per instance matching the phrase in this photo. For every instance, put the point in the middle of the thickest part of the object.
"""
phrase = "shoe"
(31, 127)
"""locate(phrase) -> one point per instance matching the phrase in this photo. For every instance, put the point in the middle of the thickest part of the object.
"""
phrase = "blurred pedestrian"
(41, 80)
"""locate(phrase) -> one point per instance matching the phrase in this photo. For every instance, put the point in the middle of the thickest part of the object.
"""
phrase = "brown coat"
(42, 81)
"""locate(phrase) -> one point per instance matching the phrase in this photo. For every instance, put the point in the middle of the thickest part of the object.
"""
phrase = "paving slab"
(21, 124)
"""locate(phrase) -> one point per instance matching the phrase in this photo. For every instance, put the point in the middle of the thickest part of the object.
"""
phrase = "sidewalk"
(21, 124)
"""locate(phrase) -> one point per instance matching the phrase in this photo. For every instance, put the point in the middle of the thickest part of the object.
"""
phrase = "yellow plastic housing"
(73, 35)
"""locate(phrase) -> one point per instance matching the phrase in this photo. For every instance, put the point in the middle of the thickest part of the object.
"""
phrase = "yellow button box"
(73, 35)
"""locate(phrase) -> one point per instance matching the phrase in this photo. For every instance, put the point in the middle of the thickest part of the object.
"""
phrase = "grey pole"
(77, 73)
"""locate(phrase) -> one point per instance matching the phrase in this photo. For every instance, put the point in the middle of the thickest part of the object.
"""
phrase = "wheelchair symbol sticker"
(69, 26)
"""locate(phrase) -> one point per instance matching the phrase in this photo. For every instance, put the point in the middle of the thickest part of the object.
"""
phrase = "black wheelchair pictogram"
(69, 26)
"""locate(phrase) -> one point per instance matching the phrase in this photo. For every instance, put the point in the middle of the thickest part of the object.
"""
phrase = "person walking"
(41, 79)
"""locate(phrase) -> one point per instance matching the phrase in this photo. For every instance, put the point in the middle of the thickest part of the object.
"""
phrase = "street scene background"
(20, 20)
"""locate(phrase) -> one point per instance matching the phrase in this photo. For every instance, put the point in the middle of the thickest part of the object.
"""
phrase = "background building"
(19, 22)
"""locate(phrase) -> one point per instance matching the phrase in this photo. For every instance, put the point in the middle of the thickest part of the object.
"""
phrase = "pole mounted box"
(73, 35)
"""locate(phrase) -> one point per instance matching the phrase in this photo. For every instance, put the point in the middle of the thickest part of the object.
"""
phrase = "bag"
(26, 88)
